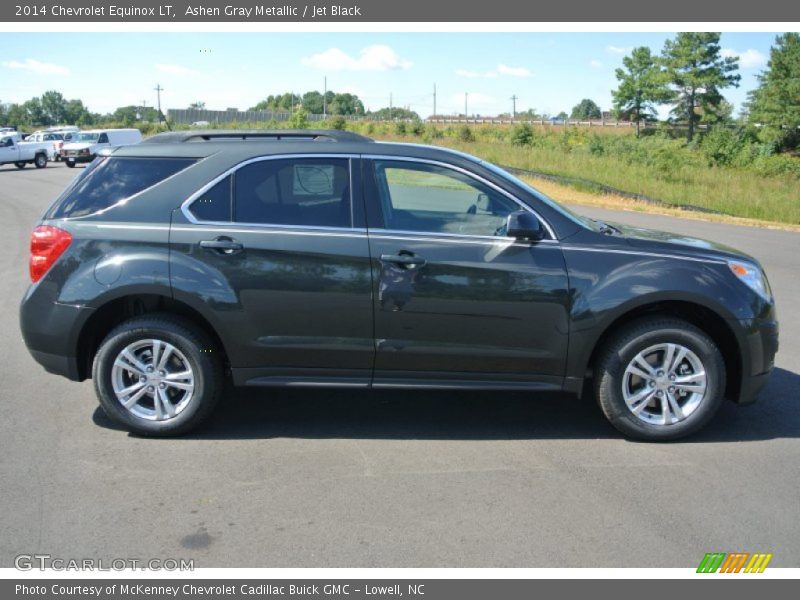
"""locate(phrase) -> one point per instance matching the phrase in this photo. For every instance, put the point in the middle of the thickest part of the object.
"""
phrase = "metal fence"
(187, 116)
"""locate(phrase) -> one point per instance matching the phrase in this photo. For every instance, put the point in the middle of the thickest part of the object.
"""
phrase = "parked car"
(84, 146)
(325, 259)
(56, 142)
(13, 151)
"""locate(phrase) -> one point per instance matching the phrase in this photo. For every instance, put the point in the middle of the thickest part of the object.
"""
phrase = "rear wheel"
(20, 165)
(660, 379)
(40, 161)
(158, 375)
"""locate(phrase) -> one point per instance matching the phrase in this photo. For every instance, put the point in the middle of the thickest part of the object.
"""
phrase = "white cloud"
(618, 49)
(371, 58)
(494, 73)
(42, 68)
(595, 64)
(175, 70)
(749, 59)
(475, 74)
(513, 71)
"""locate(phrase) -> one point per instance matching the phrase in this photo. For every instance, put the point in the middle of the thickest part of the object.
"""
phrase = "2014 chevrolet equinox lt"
(327, 259)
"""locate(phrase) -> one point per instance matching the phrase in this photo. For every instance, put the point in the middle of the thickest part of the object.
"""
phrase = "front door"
(456, 300)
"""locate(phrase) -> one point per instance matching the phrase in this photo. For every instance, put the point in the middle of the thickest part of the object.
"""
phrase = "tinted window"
(423, 197)
(215, 204)
(112, 180)
(103, 139)
(305, 191)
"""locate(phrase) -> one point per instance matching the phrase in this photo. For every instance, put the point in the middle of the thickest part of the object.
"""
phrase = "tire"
(70, 163)
(40, 161)
(621, 393)
(20, 165)
(194, 352)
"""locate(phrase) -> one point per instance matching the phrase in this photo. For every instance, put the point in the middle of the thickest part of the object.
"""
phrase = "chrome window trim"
(472, 175)
(400, 234)
(236, 224)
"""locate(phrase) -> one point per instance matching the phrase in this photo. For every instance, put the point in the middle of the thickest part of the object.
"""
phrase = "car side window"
(215, 203)
(429, 198)
(103, 139)
(311, 192)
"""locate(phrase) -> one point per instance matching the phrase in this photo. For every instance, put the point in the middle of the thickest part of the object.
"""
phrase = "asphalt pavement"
(392, 479)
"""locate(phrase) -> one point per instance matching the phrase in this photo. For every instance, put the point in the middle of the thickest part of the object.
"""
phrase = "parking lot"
(393, 479)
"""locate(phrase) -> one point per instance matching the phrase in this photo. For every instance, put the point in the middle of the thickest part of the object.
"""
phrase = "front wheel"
(40, 161)
(70, 163)
(20, 165)
(660, 379)
(158, 375)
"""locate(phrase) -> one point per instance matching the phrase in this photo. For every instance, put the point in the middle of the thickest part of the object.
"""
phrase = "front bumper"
(758, 358)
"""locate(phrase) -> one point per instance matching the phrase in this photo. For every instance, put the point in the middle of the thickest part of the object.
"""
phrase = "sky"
(548, 72)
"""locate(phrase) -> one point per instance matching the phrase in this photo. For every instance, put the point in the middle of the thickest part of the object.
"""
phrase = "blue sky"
(548, 72)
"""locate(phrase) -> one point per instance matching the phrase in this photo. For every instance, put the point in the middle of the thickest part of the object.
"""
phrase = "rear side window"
(109, 181)
(303, 192)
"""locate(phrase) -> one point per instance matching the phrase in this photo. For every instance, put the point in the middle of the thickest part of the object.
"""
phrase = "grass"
(675, 175)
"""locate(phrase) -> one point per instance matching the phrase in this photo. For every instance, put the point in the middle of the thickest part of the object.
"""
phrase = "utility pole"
(514, 105)
(466, 113)
(390, 106)
(158, 89)
(325, 99)
(434, 100)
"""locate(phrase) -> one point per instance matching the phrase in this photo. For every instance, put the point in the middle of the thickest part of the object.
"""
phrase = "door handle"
(407, 260)
(222, 245)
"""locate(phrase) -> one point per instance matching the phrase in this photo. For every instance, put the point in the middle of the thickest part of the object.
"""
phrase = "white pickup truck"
(12, 151)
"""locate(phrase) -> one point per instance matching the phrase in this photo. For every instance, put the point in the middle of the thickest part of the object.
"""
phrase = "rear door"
(456, 300)
(280, 259)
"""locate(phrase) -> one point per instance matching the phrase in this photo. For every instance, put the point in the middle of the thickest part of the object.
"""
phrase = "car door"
(455, 300)
(8, 151)
(281, 262)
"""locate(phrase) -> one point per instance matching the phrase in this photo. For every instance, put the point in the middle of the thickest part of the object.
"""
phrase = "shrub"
(522, 135)
(338, 122)
(465, 134)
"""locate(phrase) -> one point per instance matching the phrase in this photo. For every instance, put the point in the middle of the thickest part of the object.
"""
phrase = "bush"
(400, 128)
(299, 119)
(465, 134)
(338, 123)
(522, 135)
(722, 146)
(417, 127)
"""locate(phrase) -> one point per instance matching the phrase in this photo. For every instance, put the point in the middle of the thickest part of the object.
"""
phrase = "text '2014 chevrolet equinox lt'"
(326, 259)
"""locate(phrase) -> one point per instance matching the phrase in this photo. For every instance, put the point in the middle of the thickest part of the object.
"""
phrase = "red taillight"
(47, 244)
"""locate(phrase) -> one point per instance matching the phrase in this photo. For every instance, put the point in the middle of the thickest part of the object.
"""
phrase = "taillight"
(47, 245)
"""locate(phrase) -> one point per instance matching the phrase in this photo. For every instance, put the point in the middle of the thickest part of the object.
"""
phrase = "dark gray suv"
(303, 258)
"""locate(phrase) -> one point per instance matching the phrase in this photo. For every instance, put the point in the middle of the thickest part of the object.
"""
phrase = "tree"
(34, 113)
(54, 107)
(697, 72)
(394, 113)
(775, 104)
(197, 106)
(642, 86)
(586, 109)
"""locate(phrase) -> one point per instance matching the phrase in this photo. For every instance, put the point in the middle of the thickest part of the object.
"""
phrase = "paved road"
(392, 479)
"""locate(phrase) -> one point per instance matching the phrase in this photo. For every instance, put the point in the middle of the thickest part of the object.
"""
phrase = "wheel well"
(701, 317)
(111, 314)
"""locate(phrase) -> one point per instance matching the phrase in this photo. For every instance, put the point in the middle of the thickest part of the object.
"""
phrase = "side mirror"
(524, 225)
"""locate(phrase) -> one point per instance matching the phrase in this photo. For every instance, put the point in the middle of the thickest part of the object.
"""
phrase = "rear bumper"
(66, 366)
(49, 330)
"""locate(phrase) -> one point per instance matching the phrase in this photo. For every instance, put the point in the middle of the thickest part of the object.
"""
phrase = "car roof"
(241, 145)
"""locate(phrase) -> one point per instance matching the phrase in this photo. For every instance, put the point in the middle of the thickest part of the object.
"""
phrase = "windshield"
(85, 137)
(576, 218)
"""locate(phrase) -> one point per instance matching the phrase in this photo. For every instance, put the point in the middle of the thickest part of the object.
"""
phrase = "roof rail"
(314, 135)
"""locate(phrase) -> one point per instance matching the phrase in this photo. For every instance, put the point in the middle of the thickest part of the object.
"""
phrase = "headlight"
(752, 276)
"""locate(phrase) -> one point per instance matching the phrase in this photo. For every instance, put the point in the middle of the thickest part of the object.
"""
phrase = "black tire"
(70, 163)
(40, 161)
(196, 346)
(20, 165)
(639, 335)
